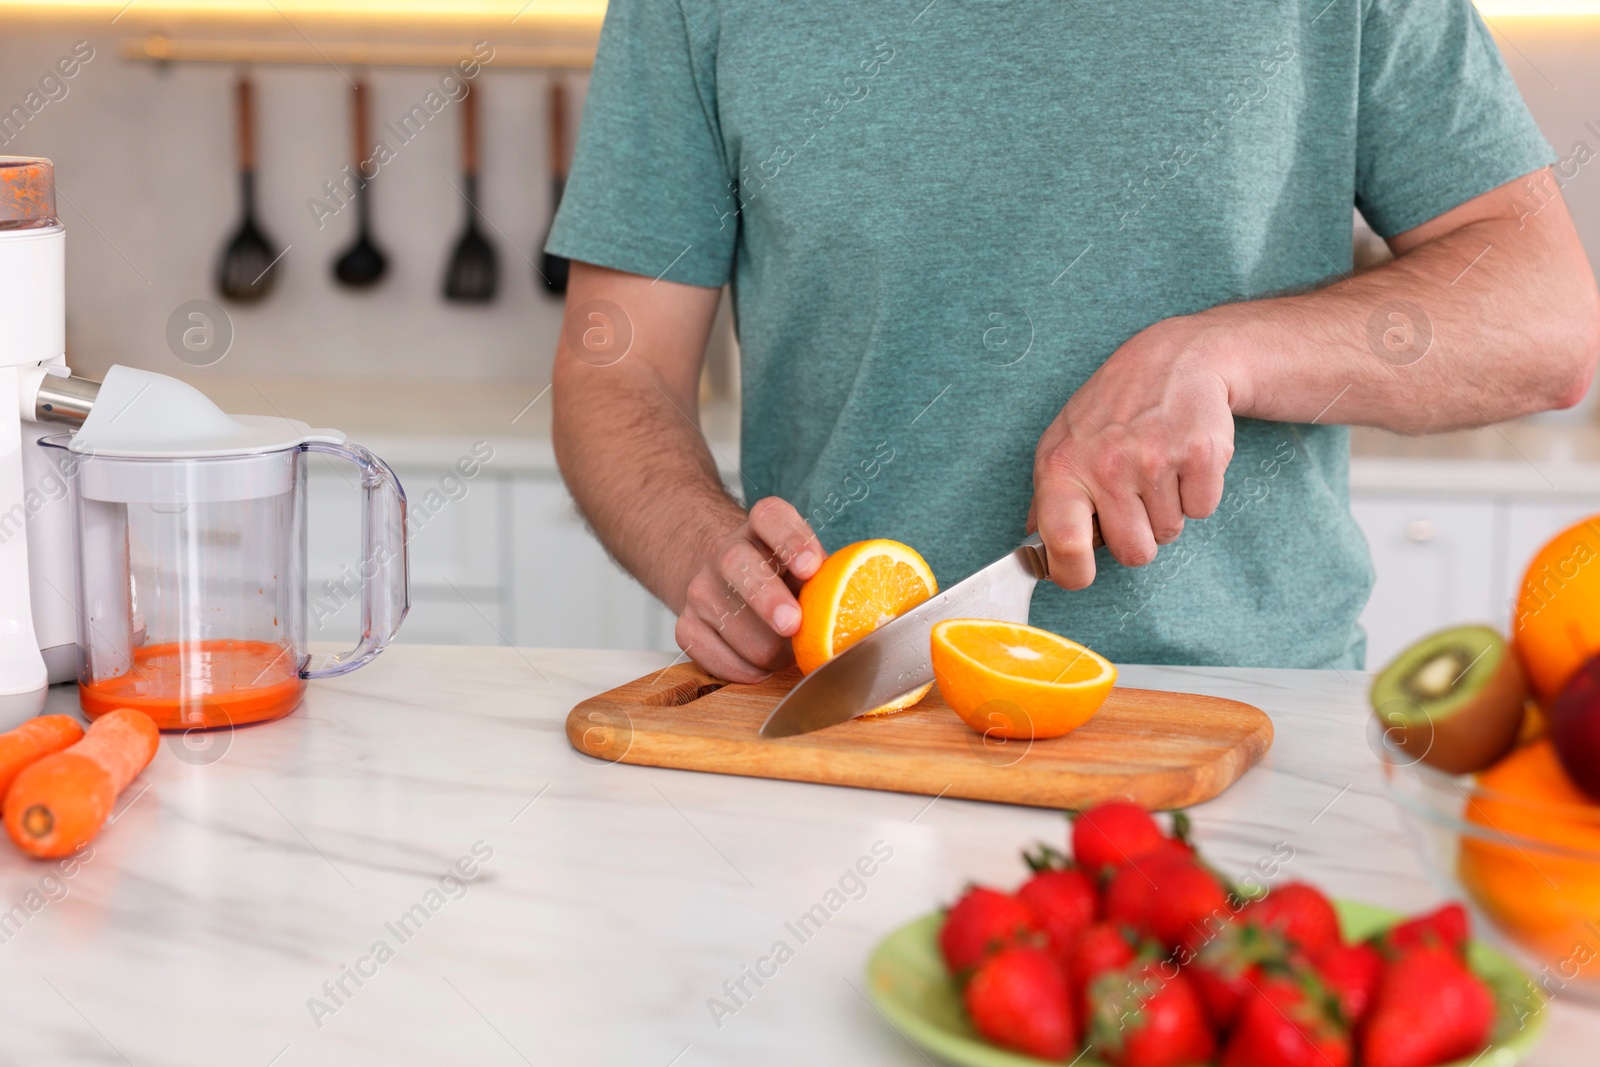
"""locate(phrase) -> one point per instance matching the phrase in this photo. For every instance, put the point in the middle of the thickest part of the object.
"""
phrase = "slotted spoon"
(247, 269)
(473, 273)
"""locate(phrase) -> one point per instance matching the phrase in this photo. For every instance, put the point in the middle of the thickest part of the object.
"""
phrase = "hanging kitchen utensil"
(363, 263)
(553, 268)
(472, 274)
(245, 272)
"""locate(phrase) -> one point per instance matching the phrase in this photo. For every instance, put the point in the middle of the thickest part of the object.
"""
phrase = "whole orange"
(1557, 622)
(1532, 858)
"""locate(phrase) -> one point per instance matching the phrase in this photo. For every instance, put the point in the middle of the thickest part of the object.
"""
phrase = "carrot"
(55, 806)
(34, 740)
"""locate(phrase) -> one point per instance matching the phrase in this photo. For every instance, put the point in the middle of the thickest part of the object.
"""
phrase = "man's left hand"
(1143, 444)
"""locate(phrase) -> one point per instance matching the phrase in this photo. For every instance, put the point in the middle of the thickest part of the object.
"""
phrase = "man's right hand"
(740, 608)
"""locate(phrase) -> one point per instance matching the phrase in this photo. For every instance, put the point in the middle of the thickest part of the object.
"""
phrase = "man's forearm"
(628, 441)
(640, 471)
(1495, 319)
(626, 427)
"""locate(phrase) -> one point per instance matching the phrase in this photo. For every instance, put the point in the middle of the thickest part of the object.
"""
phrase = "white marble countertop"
(608, 902)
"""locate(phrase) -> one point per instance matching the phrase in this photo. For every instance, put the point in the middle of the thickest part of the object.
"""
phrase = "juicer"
(152, 546)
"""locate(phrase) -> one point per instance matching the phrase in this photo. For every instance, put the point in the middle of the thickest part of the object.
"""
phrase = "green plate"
(907, 980)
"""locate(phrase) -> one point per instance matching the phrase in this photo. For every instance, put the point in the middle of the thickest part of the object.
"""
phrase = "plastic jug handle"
(384, 570)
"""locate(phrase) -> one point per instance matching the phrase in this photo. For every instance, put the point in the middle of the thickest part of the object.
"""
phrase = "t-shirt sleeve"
(1439, 119)
(648, 191)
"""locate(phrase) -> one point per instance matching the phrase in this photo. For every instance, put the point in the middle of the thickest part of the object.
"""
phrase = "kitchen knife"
(895, 658)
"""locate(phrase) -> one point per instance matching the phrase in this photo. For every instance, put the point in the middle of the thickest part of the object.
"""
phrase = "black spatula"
(473, 274)
(552, 268)
(363, 263)
(246, 271)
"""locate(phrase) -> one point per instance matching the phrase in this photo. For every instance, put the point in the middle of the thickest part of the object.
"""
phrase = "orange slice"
(1009, 680)
(855, 591)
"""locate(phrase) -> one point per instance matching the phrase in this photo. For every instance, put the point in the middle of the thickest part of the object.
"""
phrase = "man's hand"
(1143, 444)
(740, 608)
(1502, 297)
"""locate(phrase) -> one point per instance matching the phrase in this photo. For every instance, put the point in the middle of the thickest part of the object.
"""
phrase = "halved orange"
(856, 590)
(1009, 680)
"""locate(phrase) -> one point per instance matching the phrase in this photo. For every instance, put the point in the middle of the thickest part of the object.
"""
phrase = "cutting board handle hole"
(685, 692)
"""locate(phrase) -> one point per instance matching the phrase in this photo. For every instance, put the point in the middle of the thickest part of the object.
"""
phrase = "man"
(1016, 264)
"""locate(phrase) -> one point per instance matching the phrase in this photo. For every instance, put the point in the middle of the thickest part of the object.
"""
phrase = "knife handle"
(1036, 543)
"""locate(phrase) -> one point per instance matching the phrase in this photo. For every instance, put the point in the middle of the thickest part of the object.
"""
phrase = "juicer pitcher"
(192, 568)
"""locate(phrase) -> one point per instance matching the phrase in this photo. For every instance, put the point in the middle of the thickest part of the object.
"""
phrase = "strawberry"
(1144, 1016)
(1062, 902)
(1301, 913)
(1351, 974)
(981, 921)
(1231, 965)
(1170, 897)
(1170, 846)
(1098, 948)
(1112, 834)
(1018, 999)
(1130, 894)
(1190, 904)
(1428, 1009)
(1283, 1024)
(1448, 926)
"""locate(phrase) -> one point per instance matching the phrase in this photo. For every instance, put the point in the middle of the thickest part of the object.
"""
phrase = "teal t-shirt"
(940, 217)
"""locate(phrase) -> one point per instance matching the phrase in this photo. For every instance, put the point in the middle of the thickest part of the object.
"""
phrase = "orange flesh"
(202, 684)
(1016, 653)
(880, 590)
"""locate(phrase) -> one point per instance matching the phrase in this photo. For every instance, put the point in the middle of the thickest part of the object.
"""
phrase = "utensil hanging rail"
(157, 48)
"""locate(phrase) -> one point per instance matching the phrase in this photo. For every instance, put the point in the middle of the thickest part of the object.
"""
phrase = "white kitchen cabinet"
(567, 592)
(1435, 560)
(506, 560)
(1449, 558)
(457, 527)
(459, 549)
(1530, 523)
(447, 618)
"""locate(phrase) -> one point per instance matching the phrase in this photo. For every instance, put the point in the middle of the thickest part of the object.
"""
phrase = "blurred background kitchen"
(145, 134)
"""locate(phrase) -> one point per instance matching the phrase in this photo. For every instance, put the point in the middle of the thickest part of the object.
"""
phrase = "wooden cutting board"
(1162, 750)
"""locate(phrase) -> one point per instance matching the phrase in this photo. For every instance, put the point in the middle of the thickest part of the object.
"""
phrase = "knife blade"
(895, 658)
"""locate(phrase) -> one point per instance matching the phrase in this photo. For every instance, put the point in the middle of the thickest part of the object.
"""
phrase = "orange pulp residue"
(199, 684)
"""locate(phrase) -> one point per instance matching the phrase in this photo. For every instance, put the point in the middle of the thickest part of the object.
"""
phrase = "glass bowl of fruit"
(1522, 843)
(1491, 749)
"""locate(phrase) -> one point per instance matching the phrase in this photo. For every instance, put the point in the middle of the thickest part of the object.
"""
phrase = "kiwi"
(1453, 700)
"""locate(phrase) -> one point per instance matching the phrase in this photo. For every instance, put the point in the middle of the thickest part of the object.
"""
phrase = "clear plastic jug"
(192, 578)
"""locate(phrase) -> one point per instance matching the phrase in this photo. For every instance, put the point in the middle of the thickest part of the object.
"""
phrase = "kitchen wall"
(1556, 63)
(145, 170)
